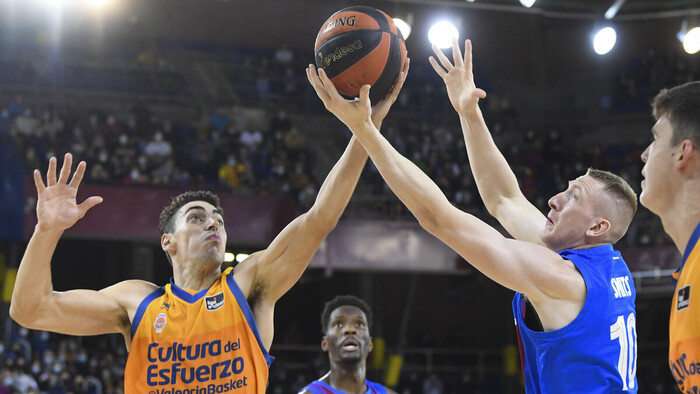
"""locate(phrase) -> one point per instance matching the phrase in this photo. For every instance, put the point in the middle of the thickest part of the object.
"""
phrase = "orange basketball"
(360, 46)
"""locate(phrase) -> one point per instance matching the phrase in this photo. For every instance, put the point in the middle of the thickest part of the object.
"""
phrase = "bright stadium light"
(229, 257)
(691, 41)
(403, 27)
(527, 3)
(441, 34)
(241, 256)
(604, 40)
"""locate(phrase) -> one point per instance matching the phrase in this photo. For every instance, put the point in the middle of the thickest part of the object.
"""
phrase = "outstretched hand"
(353, 112)
(458, 77)
(56, 207)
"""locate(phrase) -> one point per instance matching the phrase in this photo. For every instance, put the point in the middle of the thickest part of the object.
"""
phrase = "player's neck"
(682, 215)
(348, 378)
(195, 276)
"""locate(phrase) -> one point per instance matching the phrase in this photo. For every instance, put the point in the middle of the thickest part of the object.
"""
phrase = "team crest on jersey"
(683, 298)
(214, 302)
(160, 322)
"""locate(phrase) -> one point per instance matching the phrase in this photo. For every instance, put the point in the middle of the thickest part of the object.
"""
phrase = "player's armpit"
(522, 220)
(284, 261)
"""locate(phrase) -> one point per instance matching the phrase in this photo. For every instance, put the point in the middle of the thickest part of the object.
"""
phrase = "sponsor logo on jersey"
(214, 302)
(195, 367)
(682, 369)
(683, 298)
(160, 322)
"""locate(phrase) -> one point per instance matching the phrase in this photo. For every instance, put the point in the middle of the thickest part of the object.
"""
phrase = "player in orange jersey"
(671, 189)
(206, 331)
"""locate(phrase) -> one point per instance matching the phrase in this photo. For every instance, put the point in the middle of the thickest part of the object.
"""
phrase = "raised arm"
(494, 178)
(34, 303)
(269, 274)
(521, 266)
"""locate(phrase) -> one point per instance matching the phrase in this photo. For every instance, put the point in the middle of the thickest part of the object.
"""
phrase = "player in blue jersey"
(346, 322)
(579, 329)
(671, 189)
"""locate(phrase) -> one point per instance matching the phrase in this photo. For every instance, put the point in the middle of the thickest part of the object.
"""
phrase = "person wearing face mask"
(208, 329)
(346, 322)
(231, 172)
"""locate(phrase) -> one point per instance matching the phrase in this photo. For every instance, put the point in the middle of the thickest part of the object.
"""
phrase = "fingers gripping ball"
(359, 46)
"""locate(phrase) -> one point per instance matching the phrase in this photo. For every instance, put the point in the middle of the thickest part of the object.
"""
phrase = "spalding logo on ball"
(359, 46)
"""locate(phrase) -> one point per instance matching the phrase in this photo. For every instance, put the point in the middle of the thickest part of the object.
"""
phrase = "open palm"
(458, 77)
(354, 112)
(57, 208)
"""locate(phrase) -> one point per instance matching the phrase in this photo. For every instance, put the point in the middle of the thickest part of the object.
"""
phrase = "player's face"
(658, 168)
(572, 214)
(200, 233)
(347, 339)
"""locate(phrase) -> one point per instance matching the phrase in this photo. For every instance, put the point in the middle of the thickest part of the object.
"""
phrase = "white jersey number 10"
(626, 334)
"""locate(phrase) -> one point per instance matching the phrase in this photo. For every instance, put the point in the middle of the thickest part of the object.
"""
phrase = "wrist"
(364, 126)
(47, 231)
(471, 115)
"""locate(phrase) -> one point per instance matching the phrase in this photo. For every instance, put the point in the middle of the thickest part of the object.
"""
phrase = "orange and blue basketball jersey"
(196, 342)
(684, 326)
(320, 387)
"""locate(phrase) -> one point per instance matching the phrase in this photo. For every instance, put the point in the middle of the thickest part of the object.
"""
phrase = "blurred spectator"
(157, 149)
(251, 138)
(230, 172)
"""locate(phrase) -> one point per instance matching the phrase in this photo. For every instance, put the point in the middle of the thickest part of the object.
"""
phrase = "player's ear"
(601, 227)
(685, 151)
(167, 242)
(370, 346)
(324, 344)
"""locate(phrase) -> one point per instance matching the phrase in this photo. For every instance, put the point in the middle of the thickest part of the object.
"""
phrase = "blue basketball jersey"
(597, 351)
(320, 387)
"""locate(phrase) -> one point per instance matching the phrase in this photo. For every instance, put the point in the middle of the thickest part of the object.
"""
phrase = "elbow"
(322, 222)
(25, 314)
(492, 209)
(19, 315)
(428, 219)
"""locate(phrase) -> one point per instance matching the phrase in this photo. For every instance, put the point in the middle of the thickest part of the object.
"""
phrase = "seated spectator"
(230, 172)
(157, 149)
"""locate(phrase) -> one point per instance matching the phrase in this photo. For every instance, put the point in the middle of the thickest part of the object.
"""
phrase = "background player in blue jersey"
(346, 322)
(583, 335)
(671, 189)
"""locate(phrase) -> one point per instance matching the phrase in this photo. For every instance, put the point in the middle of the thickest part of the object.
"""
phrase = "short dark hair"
(344, 300)
(166, 223)
(681, 105)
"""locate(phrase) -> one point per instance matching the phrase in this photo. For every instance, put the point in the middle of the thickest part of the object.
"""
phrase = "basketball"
(359, 46)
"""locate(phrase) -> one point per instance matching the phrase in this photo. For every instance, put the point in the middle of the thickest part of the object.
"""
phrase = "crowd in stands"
(224, 151)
